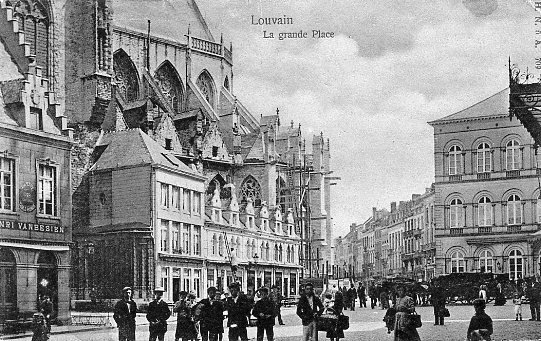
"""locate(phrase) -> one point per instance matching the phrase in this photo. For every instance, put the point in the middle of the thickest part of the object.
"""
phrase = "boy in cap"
(212, 316)
(238, 310)
(157, 315)
(124, 314)
(264, 312)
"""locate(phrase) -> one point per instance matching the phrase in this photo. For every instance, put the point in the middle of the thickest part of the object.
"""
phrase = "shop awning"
(56, 248)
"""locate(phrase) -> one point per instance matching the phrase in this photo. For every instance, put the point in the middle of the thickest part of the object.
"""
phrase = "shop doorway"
(47, 278)
(8, 283)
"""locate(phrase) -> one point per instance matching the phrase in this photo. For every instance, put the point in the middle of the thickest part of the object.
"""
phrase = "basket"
(327, 322)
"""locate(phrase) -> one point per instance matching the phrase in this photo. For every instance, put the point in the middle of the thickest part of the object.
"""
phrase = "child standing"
(517, 301)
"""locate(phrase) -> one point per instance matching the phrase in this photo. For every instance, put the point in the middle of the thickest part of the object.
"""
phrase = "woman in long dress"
(185, 319)
(405, 305)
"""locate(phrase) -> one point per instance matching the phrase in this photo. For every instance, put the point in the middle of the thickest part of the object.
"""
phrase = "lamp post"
(256, 259)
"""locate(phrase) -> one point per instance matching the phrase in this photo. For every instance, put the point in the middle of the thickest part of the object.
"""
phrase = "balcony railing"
(483, 176)
(514, 228)
(512, 173)
(485, 229)
(456, 177)
(456, 231)
(206, 46)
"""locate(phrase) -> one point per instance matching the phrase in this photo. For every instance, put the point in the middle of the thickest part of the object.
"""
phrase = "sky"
(392, 66)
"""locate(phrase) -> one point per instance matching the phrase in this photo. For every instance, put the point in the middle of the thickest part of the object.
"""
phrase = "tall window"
(248, 249)
(47, 183)
(250, 188)
(280, 253)
(515, 264)
(262, 251)
(538, 208)
(165, 278)
(221, 246)
(175, 196)
(196, 203)
(197, 282)
(514, 210)
(164, 197)
(205, 83)
(214, 245)
(197, 240)
(125, 76)
(458, 263)
(186, 238)
(512, 155)
(276, 253)
(186, 199)
(486, 261)
(456, 217)
(483, 158)
(455, 160)
(164, 245)
(267, 251)
(485, 212)
(175, 243)
(187, 279)
(7, 184)
(170, 85)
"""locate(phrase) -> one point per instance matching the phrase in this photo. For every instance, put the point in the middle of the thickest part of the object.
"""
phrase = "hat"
(159, 289)
(234, 285)
(191, 294)
(480, 303)
(126, 289)
(264, 289)
(183, 293)
(212, 289)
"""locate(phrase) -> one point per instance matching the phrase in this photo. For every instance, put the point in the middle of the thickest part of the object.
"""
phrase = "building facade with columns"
(35, 147)
(177, 87)
(487, 207)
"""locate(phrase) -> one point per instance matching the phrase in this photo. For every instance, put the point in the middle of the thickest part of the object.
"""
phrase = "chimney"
(374, 213)
(393, 206)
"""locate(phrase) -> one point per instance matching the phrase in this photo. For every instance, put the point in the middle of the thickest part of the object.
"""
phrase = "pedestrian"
(438, 301)
(336, 308)
(46, 308)
(533, 293)
(352, 296)
(373, 295)
(346, 297)
(238, 311)
(480, 327)
(277, 298)
(483, 293)
(264, 310)
(124, 315)
(517, 301)
(308, 309)
(40, 332)
(212, 316)
(384, 299)
(405, 306)
(185, 330)
(361, 293)
(157, 314)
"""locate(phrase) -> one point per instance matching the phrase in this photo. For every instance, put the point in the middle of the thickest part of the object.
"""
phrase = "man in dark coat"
(238, 310)
(346, 297)
(157, 315)
(533, 293)
(212, 316)
(264, 311)
(277, 298)
(361, 293)
(308, 308)
(352, 295)
(438, 301)
(124, 314)
(46, 308)
(373, 293)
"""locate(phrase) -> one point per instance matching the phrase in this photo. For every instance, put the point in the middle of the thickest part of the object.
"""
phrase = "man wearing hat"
(157, 315)
(212, 316)
(277, 298)
(264, 312)
(238, 310)
(124, 315)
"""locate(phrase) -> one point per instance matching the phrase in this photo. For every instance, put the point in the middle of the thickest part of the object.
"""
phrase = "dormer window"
(214, 151)
(168, 144)
(265, 225)
(216, 213)
(251, 222)
(278, 227)
(234, 219)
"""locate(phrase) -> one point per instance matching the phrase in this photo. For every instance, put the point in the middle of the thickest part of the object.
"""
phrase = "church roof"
(169, 19)
(133, 148)
(493, 106)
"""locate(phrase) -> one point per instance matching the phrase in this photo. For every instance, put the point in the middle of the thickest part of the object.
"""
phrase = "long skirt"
(185, 329)
(402, 332)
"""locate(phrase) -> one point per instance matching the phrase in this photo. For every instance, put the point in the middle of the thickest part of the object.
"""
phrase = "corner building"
(487, 200)
(35, 157)
(175, 86)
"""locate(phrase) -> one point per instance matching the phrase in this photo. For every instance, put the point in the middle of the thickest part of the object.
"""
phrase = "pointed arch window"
(125, 76)
(456, 215)
(226, 82)
(455, 160)
(514, 210)
(250, 188)
(484, 160)
(512, 155)
(276, 252)
(205, 83)
(538, 209)
(485, 212)
(34, 22)
(515, 265)
(486, 261)
(170, 85)
(458, 264)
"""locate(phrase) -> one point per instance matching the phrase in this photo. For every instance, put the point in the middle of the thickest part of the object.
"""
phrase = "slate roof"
(495, 105)
(132, 148)
(169, 19)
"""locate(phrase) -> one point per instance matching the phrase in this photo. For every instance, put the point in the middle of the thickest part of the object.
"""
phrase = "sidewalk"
(140, 320)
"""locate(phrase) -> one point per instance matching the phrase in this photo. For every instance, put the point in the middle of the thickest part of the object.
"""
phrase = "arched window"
(512, 155)
(170, 85)
(484, 213)
(250, 188)
(8, 279)
(276, 253)
(486, 261)
(253, 249)
(280, 253)
(262, 251)
(514, 210)
(458, 264)
(455, 160)
(214, 244)
(456, 216)
(538, 208)
(221, 246)
(267, 251)
(206, 85)
(484, 160)
(125, 76)
(226, 83)
(288, 254)
(217, 181)
(515, 264)
(34, 23)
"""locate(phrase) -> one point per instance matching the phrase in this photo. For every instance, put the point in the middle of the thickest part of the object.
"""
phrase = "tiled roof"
(133, 147)
(168, 19)
(495, 105)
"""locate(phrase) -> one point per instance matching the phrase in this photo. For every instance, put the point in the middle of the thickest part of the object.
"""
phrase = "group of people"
(204, 319)
(41, 321)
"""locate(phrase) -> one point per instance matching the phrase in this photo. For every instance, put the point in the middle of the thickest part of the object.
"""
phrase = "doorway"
(47, 278)
(8, 283)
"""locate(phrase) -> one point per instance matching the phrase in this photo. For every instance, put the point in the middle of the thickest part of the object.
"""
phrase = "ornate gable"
(166, 135)
(214, 146)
